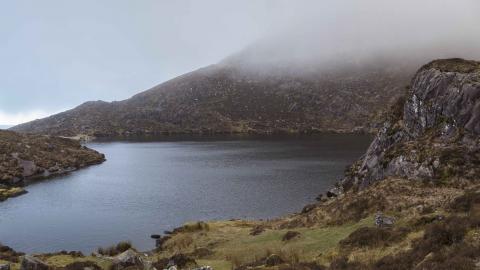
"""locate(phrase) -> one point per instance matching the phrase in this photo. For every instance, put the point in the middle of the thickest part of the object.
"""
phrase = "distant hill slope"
(225, 99)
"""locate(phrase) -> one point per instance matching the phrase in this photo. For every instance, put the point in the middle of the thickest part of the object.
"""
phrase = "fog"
(57, 54)
(321, 33)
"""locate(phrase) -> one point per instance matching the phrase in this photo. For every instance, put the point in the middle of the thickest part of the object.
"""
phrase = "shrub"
(373, 237)
(8, 254)
(461, 256)
(290, 235)
(444, 240)
(115, 249)
(193, 227)
(449, 232)
(342, 263)
(257, 230)
(465, 202)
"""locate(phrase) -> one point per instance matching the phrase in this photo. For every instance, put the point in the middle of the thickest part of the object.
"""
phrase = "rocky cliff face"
(226, 99)
(431, 134)
(25, 158)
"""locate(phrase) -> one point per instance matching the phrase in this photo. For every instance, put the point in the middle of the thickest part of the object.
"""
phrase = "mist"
(323, 34)
(57, 55)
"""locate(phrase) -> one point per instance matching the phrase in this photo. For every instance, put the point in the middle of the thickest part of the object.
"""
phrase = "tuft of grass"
(60, 261)
(466, 202)
(373, 237)
(115, 249)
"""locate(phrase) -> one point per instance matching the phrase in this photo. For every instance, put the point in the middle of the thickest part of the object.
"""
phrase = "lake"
(146, 187)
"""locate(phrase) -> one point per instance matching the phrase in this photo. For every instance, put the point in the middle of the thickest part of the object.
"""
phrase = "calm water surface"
(149, 187)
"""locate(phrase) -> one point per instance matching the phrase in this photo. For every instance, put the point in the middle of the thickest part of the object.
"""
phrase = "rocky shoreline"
(27, 158)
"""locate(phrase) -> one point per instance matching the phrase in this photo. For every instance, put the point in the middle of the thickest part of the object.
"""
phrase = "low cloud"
(11, 119)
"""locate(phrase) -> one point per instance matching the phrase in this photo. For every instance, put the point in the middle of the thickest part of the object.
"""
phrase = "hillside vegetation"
(228, 99)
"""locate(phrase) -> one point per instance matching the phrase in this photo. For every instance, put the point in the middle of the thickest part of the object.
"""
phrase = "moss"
(453, 65)
(6, 193)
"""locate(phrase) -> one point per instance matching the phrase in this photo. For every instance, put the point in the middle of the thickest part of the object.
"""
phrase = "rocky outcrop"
(25, 158)
(128, 258)
(432, 134)
(226, 98)
(31, 263)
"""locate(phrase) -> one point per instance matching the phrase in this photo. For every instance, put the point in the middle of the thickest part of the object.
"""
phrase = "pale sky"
(57, 54)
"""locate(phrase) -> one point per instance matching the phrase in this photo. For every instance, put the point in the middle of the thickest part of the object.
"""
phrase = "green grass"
(64, 260)
(233, 245)
(216, 264)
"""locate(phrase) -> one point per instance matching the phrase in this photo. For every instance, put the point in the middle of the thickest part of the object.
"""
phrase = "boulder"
(126, 259)
(31, 263)
(383, 221)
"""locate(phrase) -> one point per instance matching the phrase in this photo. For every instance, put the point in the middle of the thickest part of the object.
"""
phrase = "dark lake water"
(148, 187)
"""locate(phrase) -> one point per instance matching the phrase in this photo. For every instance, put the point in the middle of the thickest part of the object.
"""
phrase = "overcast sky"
(56, 54)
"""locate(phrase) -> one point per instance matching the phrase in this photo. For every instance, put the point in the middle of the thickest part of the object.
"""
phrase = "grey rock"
(5, 266)
(444, 102)
(31, 263)
(126, 259)
(206, 267)
(383, 221)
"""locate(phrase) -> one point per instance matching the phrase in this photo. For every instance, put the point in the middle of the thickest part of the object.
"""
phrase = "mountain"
(25, 158)
(231, 98)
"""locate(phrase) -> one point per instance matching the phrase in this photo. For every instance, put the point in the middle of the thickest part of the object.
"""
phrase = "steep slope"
(226, 98)
(433, 133)
(25, 158)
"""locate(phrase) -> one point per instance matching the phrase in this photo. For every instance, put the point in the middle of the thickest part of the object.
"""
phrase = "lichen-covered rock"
(126, 259)
(31, 263)
(446, 97)
(432, 134)
(383, 221)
